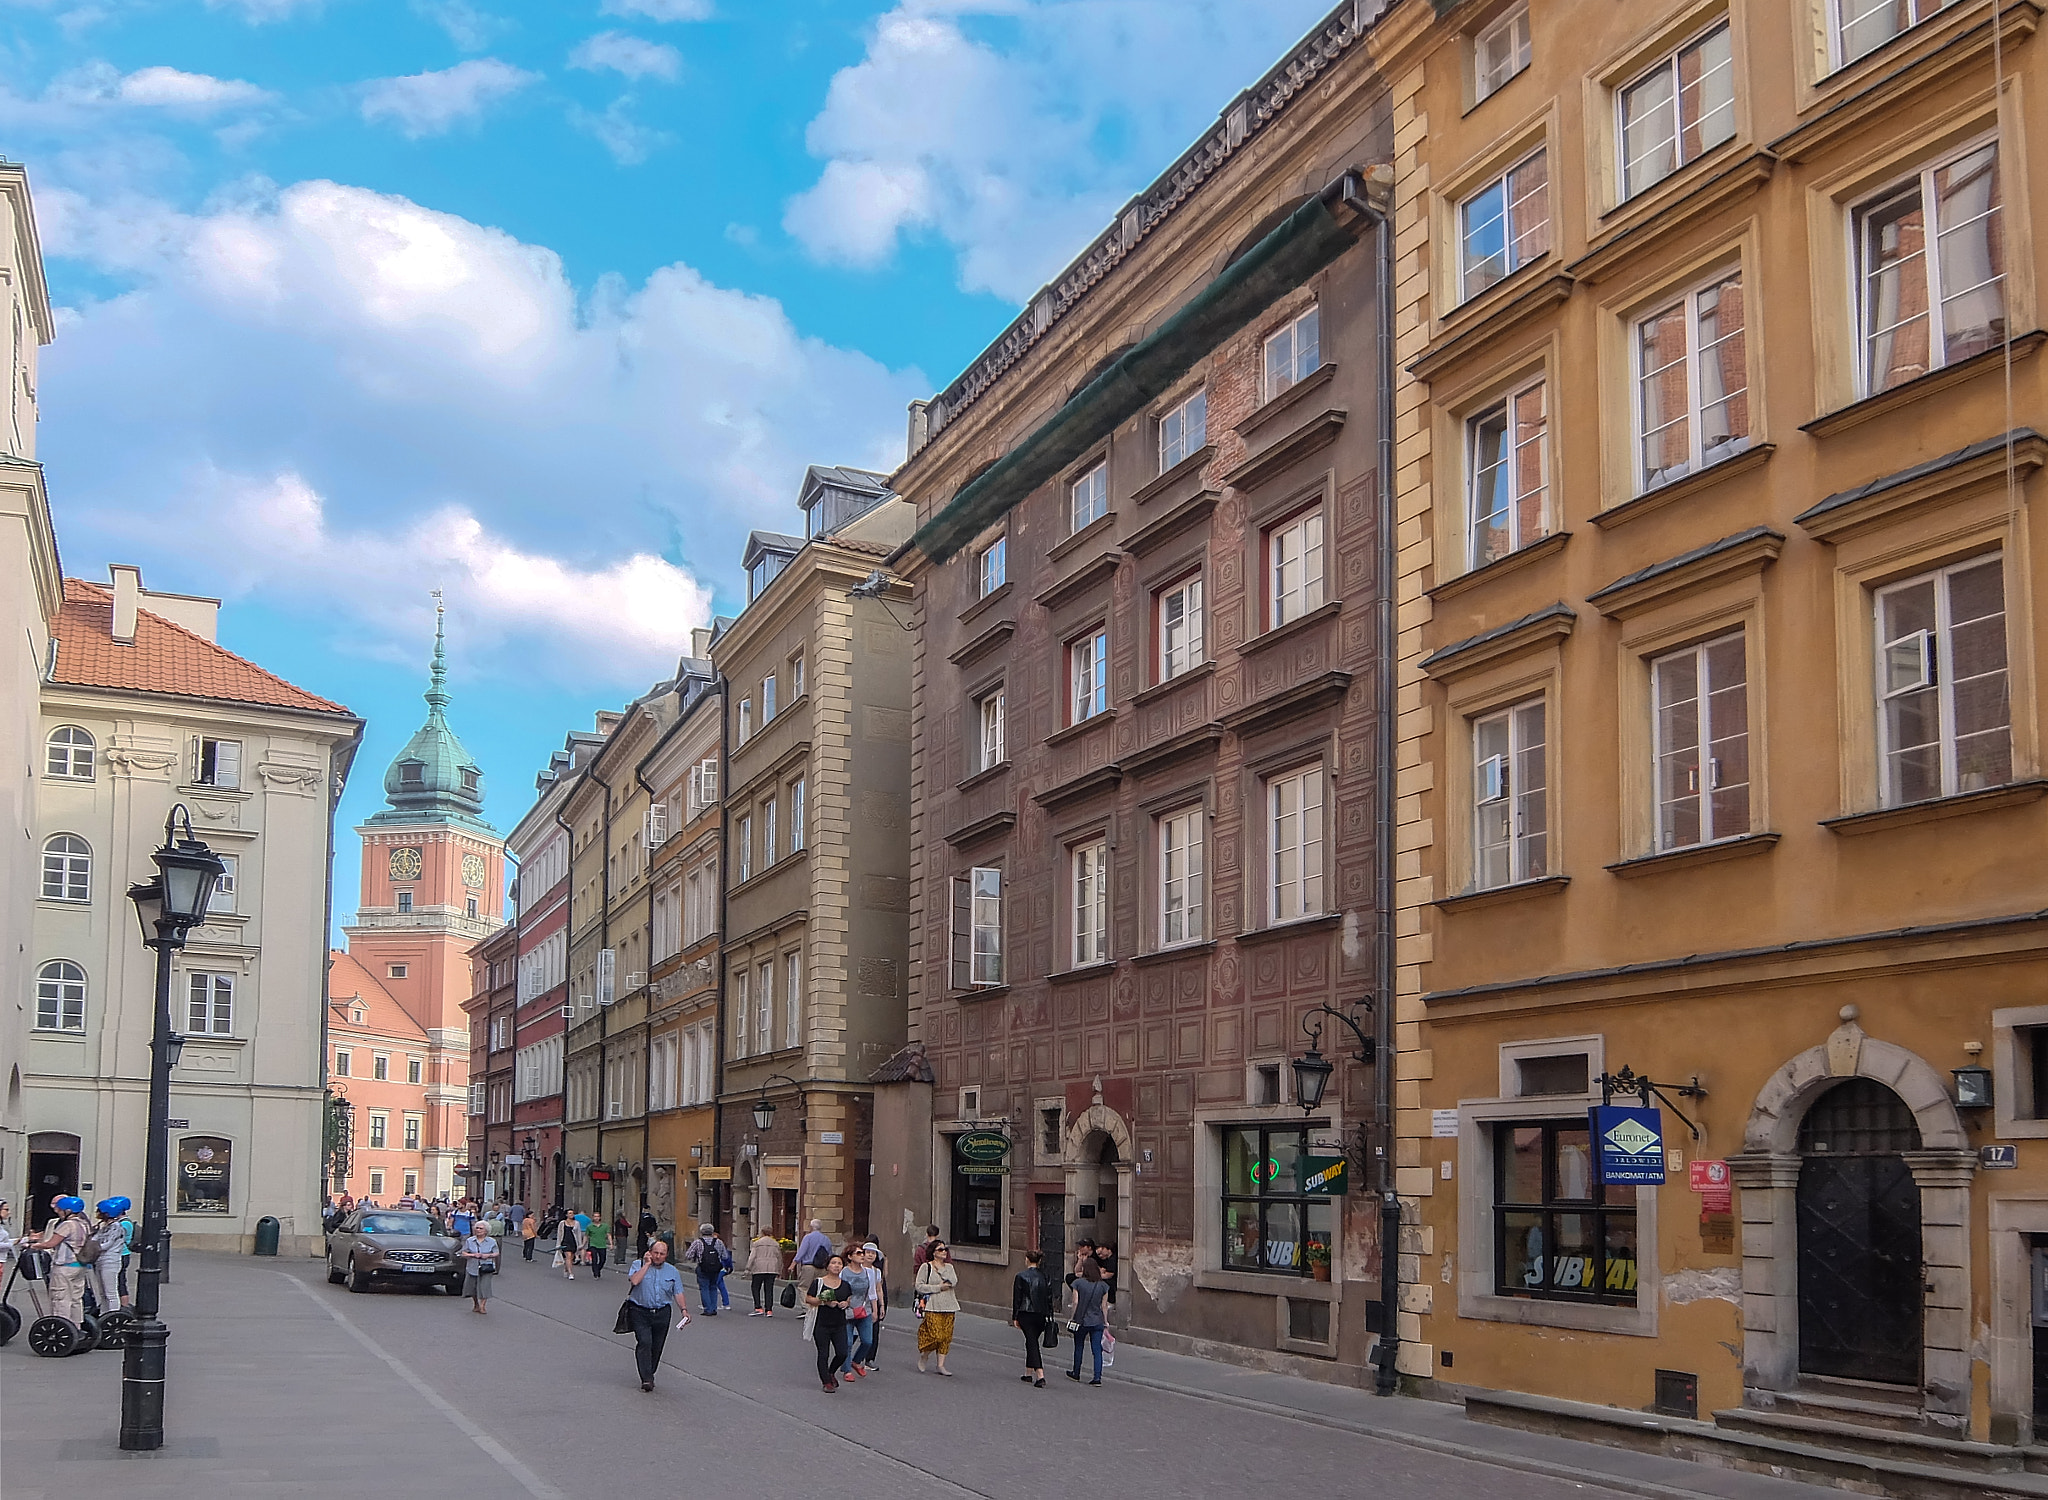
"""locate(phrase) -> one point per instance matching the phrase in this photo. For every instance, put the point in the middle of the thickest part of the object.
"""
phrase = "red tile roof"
(163, 658)
(350, 980)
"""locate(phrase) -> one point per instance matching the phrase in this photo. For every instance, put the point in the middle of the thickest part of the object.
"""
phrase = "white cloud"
(629, 142)
(631, 55)
(257, 12)
(658, 10)
(422, 104)
(330, 394)
(468, 28)
(1016, 144)
(170, 89)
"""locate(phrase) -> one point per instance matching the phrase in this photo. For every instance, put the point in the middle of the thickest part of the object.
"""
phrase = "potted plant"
(1318, 1254)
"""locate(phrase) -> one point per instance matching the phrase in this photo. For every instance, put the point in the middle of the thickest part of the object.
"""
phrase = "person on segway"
(108, 1250)
(64, 1237)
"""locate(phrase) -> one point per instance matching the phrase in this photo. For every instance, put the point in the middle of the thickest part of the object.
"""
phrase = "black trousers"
(1034, 1329)
(526, 1247)
(650, 1332)
(832, 1348)
(764, 1290)
(596, 1260)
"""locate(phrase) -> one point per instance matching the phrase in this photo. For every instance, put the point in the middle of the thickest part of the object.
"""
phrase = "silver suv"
(385, 1244)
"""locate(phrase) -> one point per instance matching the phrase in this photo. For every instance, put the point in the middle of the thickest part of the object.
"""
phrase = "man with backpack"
(710, 1259)
(106, 1251)
(65, 1238)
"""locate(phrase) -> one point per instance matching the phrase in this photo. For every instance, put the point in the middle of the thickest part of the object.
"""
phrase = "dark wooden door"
(1052, 1231)
(1860, 1277)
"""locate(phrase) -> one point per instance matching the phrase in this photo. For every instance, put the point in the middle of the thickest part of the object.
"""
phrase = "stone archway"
(1081, 1155)
(1767, 1171)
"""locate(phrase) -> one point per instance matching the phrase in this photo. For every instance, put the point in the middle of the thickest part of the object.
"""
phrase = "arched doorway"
(1098, 1155)
(52, 1172)
(1860, 1273)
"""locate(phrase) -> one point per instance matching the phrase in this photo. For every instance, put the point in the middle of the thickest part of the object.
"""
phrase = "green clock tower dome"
(433, 779)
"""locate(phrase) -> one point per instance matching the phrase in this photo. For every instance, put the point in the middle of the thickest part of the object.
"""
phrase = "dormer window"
(763, 572)
(470, 782)
(412, 774)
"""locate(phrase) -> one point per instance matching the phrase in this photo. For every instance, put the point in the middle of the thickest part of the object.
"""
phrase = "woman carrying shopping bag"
(937, 1288)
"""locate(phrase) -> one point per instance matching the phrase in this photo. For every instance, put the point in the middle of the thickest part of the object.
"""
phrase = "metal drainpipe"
(647, 1020)
(721, 687)
(1384, 814)
(604, 941)
(568, 999)
(512, 1120)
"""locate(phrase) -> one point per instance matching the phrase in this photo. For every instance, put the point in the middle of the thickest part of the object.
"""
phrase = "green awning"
(1304, 242)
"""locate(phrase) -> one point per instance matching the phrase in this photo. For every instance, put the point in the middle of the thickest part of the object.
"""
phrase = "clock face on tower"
(473, 870)
(405, 864)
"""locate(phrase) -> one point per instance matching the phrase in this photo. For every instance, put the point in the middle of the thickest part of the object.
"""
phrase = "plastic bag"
(1108, 1349)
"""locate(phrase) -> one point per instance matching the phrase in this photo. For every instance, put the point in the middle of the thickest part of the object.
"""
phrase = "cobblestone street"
(284, 1385)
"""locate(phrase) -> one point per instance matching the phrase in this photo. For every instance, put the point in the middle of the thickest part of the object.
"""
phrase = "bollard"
(266, 1235)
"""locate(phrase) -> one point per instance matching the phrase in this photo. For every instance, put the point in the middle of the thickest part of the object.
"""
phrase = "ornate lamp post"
(168, 906)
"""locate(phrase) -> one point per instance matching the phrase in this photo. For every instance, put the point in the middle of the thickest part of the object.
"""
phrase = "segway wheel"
(88, 1334)
(114, 1329)
(53, 1337)
(10, 1324)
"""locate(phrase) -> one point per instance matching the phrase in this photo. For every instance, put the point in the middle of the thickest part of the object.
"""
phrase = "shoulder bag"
(625, 1322)
(789, 1295)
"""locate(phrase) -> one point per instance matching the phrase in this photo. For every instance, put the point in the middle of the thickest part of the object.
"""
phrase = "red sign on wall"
(1711, 1180)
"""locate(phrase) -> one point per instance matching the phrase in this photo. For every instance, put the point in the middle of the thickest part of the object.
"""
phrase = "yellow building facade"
(1721, 742)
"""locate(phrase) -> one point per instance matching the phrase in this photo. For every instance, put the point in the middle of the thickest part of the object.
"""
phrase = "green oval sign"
(983, 1145)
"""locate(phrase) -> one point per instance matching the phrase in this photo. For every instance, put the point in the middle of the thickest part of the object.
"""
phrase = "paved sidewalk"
(281, 1385)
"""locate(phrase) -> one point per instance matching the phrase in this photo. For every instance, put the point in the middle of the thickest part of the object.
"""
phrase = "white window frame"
(217, 763)
(764, 1004)
(1088, 904)
(768, 832)
(1297, 817)
(1936, 651)
(223, 897)
(1513, 29)
(377, 1179)
(1697, 455)
(343, 1062)
(1495, 779)
(746, 843)
(1295, 557)
(1180, 641)
(380, 1067)
(1088, 497)
(977, 956)
(1921, 183)
(746, 729)
(1515, 233)
(412, 1130)
(67, 871)
(1669, 64)
(219, 1003)
(743, 1013)
(792, 998)
(797, 790)
(1706, 777)
(1183, 877)
(990, 714)
(768, 687)
(1291, 353)
(77, 752)
(1184, 428)
(60, 996)
(1088, 675)
(992, 567)
(1838, 10)
(1507, 409)
(415, 1070)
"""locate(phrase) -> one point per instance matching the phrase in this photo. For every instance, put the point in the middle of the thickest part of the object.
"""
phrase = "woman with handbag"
(860, 1309)
(480, 1259)
(1030, 1311)
(937, 1291)
(828, 1297)
(764, 1265)
(870, 1332)
(566, 1247)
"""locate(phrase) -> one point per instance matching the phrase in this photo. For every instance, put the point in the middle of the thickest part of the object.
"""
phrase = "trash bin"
(266, 1235)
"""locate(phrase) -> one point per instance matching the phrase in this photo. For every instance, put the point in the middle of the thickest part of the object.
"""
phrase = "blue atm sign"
(1628, 1143)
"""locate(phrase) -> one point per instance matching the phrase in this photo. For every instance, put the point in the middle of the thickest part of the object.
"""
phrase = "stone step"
(1856, 1401)
(1883, 1442)
(1752, 1452)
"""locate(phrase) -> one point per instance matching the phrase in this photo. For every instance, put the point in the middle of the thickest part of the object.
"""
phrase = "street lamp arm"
(1312, 1023)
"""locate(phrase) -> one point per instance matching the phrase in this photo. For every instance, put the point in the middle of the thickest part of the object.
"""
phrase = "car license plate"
(419, 1268)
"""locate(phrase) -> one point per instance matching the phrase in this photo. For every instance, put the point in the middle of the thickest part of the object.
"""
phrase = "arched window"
(60, 996)
(70, 754)
(67, 869)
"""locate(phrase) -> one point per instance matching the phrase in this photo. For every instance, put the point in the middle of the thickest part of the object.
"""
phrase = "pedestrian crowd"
(842, 1289)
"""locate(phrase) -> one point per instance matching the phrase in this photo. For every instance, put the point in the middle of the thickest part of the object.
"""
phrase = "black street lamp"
(764, 1107)
(168, 905)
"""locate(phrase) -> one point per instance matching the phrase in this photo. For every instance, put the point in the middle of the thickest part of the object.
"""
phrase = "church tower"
(433, 886)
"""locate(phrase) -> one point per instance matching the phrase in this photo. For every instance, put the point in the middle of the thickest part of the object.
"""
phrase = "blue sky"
(544, 305)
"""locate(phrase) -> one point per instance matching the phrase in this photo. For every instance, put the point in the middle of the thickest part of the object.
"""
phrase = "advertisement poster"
(205, 1170)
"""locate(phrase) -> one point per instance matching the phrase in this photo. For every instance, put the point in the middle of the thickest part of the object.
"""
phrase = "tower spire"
(437, 694)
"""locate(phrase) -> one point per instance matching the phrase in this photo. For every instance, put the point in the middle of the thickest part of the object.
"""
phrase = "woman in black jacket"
(1030, 1309)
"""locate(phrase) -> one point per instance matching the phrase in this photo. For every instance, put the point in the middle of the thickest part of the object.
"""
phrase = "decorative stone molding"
(282, 776)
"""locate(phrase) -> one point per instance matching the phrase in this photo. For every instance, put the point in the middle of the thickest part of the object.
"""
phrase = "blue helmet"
(69, 1205)
(113, 1208)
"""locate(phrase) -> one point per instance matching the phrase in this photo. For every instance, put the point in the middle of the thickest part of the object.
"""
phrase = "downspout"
(724, 883)
(604, 943)
(569, 999)
(1385, 792)
(512, 1119)
(336, 780)
(647, 1016)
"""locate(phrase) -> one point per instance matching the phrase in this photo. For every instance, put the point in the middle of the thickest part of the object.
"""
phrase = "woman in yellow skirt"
(937, 1290)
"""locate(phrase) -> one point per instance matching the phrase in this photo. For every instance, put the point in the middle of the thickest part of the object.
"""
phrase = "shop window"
(1268, 1222)
(1558, 1234)
(977, 1204)
(1565, 1073)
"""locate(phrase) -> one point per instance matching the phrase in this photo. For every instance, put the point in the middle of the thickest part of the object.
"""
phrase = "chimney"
(700, 642)
(127, 600)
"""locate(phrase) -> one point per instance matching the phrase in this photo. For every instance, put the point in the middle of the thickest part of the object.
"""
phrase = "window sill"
(1085, 971)
(56, 1034)
(63, 903)
(1695, 854)
(1938, 481)
(1076, 730)
(1937, 809)
(1591, 1317)
(1679, 201)
(1295, 626)
(1160, 690)
(1310, 437)
(1485, 573)
(986, 773)
(1179, 950)
(1188, 468)
(1685, 486)
(1262, 1284)
(996, 635)
(989, 600)
(1842, 418)
(1476, 325)
(1077, 583)
(1264, 416)
(1075, 541)
(981, 828)
(979, 992)
(1182, 518)
(1548, 885)
(1326, 922)
(205, 789)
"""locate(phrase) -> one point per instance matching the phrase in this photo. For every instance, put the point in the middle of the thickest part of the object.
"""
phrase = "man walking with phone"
(651, 1286)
